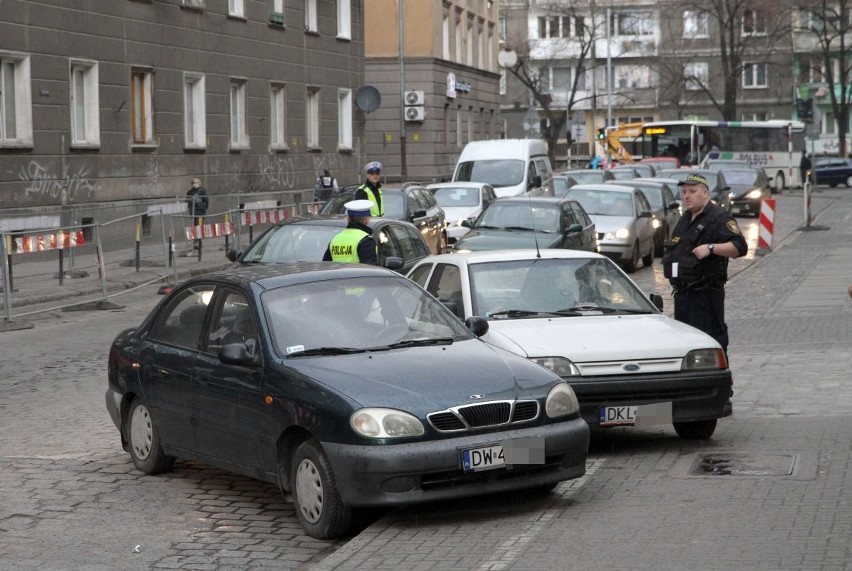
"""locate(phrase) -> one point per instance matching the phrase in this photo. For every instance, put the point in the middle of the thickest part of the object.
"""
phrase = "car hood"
(454, 213)
(506, 240)
(605, 223)
(408, 379)
(598, 338)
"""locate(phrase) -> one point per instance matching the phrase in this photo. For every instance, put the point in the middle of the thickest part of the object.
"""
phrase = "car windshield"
(560, 185)
(497, 173)
(588, 177)
(292, 243)
(450, 197)
(542, 287)
(740, 177)
(608, 203)
(654, 196)
(521, 216)
(338, 316)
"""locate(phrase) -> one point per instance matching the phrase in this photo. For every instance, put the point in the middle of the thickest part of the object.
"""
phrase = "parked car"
(832, 171)
(719, 189)
(579, 315)
(561, 184)
(461, 201)
(530, 222)
(346, 385)
(412, 203)
(625, 172)
(748, 189)
(586, 176)
(664, 209)
(623, 219)
(305, 239)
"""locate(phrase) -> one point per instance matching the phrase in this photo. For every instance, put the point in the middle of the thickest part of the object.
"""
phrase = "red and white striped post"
(767, 226)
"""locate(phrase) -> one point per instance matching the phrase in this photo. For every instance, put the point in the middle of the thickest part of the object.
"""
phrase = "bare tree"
(736, 31)
(828, 23)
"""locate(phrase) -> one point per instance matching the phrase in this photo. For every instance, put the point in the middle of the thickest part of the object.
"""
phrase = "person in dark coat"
(197, 203)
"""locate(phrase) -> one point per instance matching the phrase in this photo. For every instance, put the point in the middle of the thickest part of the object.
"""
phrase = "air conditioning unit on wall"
(417, 113)
(415, 98)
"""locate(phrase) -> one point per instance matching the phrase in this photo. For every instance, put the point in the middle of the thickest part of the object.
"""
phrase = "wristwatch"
(710, 248)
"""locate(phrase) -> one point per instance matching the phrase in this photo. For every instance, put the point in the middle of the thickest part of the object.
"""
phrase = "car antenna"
(535, 234)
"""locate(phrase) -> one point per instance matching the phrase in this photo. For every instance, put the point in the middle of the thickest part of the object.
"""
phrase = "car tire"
(648, 260)
(318, 504)
(143, 440)
(849, 181)
(633, 262)
(695, 430)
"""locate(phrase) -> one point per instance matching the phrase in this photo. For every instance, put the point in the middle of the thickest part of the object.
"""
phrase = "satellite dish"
(368, 98)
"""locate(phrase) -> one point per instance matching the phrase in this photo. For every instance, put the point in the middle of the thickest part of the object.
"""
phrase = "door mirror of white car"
(477, 325)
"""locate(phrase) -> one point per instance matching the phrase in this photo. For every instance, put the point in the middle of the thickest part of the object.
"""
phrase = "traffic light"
(805, 109)
(602, 134)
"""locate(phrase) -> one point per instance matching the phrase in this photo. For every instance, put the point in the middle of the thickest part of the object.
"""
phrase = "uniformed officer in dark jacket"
(372, 189)
(696, 259)
(355, 243)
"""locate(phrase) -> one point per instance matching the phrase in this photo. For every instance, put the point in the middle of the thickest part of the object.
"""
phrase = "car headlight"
(620, 234)
(385, 423)
(756, 193)
(656, 223)
(561, 401)
(701, 359)
(559, 365)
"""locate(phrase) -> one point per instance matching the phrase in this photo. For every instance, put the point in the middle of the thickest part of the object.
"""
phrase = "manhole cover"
(744, 465)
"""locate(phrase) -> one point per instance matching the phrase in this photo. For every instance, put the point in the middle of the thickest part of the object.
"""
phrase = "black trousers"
(704, 309)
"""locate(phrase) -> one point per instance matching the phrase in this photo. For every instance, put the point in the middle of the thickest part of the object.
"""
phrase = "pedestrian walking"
(372, 188)
(696, 259)
(804, 167)
(325, 186)
(197, 203)
(355, 243)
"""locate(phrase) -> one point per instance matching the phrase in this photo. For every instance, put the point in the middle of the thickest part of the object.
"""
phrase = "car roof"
(643, 183)
(535, 199)
(455, 185)
(605, 186)
(270, 276)
(483, 256)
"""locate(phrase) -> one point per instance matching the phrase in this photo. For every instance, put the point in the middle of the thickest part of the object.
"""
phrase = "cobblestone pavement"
(72, 500)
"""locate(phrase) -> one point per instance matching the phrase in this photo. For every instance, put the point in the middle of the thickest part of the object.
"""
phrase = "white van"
(511, 166)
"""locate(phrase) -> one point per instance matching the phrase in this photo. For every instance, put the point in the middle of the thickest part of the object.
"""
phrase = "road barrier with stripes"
(767, 225)
(59, 240)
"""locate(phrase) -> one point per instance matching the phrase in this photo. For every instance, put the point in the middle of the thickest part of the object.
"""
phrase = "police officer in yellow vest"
(355, 243)
(372, 189)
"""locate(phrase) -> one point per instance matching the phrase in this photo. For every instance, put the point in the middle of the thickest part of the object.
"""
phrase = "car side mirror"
(478, 325)
(645, 214)
(573, 228)
(238, 354)
(419, 213)
(657, 300)
(232, 255)
(467, 223)
(394, 263)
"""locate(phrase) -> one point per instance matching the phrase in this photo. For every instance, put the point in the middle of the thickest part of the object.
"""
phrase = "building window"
(480, 48)
(237, 8)
(468, 39)
(489, 50)
(502, 28)
(633, 76)
(312, 118)
(754, 117)
(195, 129)
(754, 75)
(754, 24)
(239, 130)
(632, 24)
(85, 109)
(141, 107)
(554, 27)
(445, 34)
(695, 76)
(458, 38)
(16, 121)
(502, 81)
(344, 119)
(311, 16)
(276, 15)
(344, 19)
(278, 117)
(696, 24)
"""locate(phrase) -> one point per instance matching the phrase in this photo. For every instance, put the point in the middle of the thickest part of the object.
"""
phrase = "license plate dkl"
(617, 415)
(483, 458)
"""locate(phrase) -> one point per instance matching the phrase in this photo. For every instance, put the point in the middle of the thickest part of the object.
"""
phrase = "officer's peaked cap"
(358, 207)
(374, 166)
(694, 179)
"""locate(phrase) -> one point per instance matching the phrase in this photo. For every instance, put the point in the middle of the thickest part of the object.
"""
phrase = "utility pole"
(402, 151)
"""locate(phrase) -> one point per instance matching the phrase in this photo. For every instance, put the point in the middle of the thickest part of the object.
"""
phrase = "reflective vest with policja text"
(344, 246)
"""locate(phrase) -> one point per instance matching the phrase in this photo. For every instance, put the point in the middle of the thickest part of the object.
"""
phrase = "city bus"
(776, 145)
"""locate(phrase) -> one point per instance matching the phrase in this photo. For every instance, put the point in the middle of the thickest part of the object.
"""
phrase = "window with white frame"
(458, 35)
(811, 70)
(632, 24)
(695, 75)
(489, 49)
(312, 118)
(469, 41)
(276, 13)
(754, 117)
(278, 116)
(633, 76)
(480, 47)
(237, 8)
(311, 16)
(445, 34)
(141, 107)
(502, 28)
(344, 119)
(344, 19)
(85, 108)
(16, 121)
(195, 128)
(696, 24)
(502, 81)
(554, 27)
(459, 141)
(754, 23)
(239, 128)
(754, 75)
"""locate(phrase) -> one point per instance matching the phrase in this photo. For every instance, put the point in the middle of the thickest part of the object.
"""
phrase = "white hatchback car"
(579, 315)
(461, 201)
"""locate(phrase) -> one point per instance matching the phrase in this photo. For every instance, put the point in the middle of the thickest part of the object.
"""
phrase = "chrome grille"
(483, 415)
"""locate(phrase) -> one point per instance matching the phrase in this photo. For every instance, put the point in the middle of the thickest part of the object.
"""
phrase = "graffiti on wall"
(152, 187)
(277, 171)
(41, 182)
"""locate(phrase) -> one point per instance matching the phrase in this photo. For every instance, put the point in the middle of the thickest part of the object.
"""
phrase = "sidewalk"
(770, 491)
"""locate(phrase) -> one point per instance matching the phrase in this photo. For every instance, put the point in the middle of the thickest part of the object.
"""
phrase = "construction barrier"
(767, 225)
(214, 230)
(60, 240)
